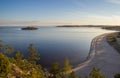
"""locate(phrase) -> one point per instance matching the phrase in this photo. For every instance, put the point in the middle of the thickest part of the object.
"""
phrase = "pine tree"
(67, 66)
(33, 55)
(95, 73)
(17, 56)
(55, 70)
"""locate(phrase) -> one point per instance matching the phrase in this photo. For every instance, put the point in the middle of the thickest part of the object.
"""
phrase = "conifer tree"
(67, 66)
(17, 55)
(33, 55)
(55, 70)
(95, 73)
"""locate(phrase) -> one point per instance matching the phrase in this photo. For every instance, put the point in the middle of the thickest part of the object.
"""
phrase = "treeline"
(116, 28)
(20, 66)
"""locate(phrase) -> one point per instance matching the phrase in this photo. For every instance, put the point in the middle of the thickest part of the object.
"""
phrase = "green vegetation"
(33, 55)
(117, 28)
(117, 75)
(95, 73)
(5, 66)
(17, 56)
(19, 66)
(67, 66)
(8, 49)
(1, 45)
(112, 39)
(60, 72)
(118, 35)
(55, 70)
(72, 75)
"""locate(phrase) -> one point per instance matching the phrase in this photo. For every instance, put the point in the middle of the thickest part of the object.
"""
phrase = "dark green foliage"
(5, 66)
(62, 75)
(95, 73)
(1, 45)
(36, 73)
(58, 72)
(55, 70)
(118, 35)
(72, 75)
(80, 76)
(17, 59)
(111, 39)
(8, 49)
(32, 70)
(117, 28)
(117, 75)
(67, 66)
(86, 77)
(0, 40)
(113, 42)
(17, 55)
(33, 55)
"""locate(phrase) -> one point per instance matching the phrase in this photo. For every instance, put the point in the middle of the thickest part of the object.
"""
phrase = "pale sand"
(102, 55)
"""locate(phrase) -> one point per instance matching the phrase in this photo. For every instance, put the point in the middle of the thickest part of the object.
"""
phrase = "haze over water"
(53, 43)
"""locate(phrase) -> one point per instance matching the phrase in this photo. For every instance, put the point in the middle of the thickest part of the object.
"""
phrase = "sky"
(59, 12)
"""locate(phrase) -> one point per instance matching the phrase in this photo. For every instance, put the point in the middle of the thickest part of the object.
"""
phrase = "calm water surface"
(53, 43)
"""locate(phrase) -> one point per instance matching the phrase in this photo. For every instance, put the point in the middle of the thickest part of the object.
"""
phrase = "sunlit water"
(53, 43)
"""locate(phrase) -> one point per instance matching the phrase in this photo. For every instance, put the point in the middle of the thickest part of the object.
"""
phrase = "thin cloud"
(107, 20)
(114, 1)
(32, 23)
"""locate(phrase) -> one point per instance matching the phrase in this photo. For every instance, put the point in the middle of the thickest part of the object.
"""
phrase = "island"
(29, 28)
(81, 26)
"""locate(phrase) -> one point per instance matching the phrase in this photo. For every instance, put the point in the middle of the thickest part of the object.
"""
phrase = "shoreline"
(90, 56)
(101, 55)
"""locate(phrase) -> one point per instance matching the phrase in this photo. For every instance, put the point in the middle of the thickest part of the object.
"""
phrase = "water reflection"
(53, 43)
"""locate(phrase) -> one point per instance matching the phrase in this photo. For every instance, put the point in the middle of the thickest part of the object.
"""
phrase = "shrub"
(117, 76)
(5, 66)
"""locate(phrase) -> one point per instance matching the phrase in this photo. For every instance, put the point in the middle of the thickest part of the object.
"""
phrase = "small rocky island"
(29, 28)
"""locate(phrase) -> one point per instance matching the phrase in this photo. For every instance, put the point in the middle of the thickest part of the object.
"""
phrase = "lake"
(54, 44)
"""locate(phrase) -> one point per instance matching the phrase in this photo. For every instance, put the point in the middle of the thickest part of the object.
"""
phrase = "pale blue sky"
(59, 12)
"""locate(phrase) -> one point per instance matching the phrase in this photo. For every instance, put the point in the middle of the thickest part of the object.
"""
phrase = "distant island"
(107, 27)
(29, 28)
(104, 26)
(81, 26)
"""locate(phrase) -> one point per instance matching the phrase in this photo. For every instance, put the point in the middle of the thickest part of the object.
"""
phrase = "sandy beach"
(101, 55)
